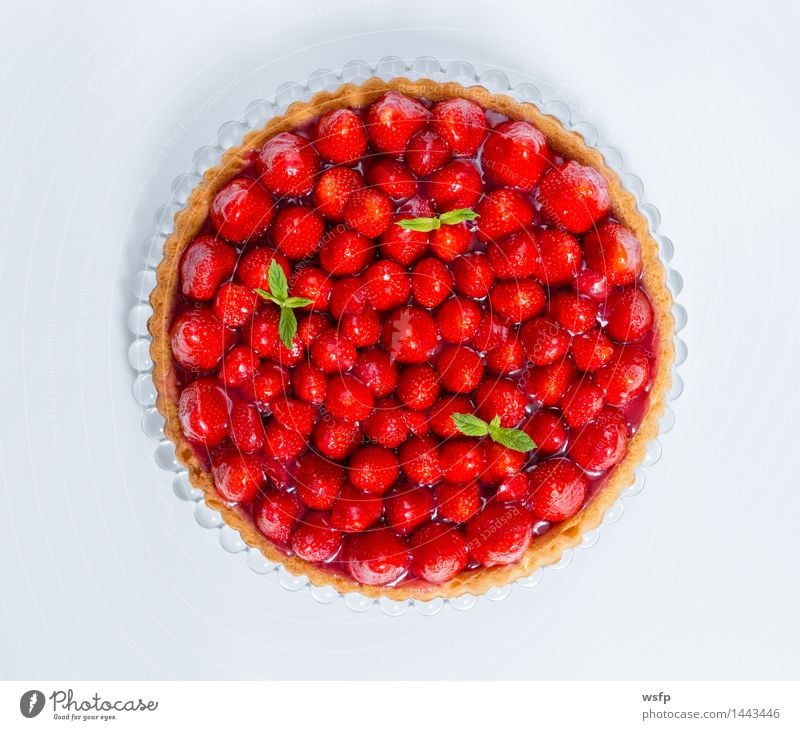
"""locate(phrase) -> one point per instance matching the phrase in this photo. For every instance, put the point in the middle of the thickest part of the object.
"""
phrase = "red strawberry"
(419, 460)
(347, 297)
(348, 399)
(625, 376)
(268, 383)
(502, 212)
(574, 197)
(260, 333)
(460, 369)
(198, 340)
(544, 341)
(276, 514)
(557, 258)
(426, 152)
(297, 231)
(431, 282)
(332, 189)
(501, 463)
(401, 245)
(247, 431)
(203, 412)
(457, 502)
(461, 124)
(506, 358)
(440, 416)
(513, 257)
(409, 335)
(234, 304)
(547, 384)
(462, 460)
(418, 387)
(517, 301)
(241, 210)
(369, 211)
(602, 443)
(450, 242)
(205, 264)
(388, 424)
(312, 325)
(318, 481)
(457, 185)
(515, 154)
(491, 332)
(393, 120)
(373, 469)
(581, 403)
(474, 275)
(613, 250)
(591, 284)
(408, 507)
(340, 137)
(362, 328)
(547, 432)
(253, 268)
(513, 488)
(375, 369)
(591, 350)
(289, 356)
(438, 553)
(574, 313)
(287, 165)
(345, 253)
(417, 422)
(457, 320)
(238, 365)
(336, 439)
(310, 385)
(294, 414)
(237, 477)
(501, 398)
(376, 558)
(500, 534)
(393, 178)
(629, 314)
(312, 283)
(355, 511)
(314, 539)
(332, 353)
(283, 444)
(386, 285)
(558, 490)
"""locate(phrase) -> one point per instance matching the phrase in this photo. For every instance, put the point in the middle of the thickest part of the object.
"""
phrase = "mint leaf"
(512, 438)
(266, 295)
(420, 224)
(295, 302)
(458, 215)
(277, 281)
(470, 425)
(287, 327)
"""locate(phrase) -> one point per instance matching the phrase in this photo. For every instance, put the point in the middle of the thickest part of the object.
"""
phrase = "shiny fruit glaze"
(341, 447)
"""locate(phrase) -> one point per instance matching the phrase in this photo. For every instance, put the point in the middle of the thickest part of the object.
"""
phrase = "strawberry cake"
(411, 339)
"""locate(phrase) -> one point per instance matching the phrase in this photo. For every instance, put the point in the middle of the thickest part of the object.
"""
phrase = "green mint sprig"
(511, 438)
(279, 294)
(450, 218)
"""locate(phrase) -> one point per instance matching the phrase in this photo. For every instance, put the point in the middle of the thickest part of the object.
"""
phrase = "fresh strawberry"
(199, 339)
(602, 443)
(629, 314)
(474, 275)
(345, 253)
(294, 414)
(501, 463)
(516, 155)
(369, 211)
(418, 387)
(393, 178)
(247, 430)
(440, 415)
(386, 285)
(460, 369)
(340, 137)
(558, 490)
(507, 357)
(500, 534)
(309, 384)
(491, 332)
(419, 460)
(417, 422)
(457, 185)
(407, 507)
(237, 477)
(557, 258)
(252, 270)
(297, 231)
(547, 384)
(363, 328)
(269, 382)
(205, 264)
(312, 283)
(318, 481)
(544, 341)
(461, 124)
(581, 403)
(238, 366)
(241, 210)
(234, 304)
(457, 320)
(410, 335)
(426, 152)
(438, 553)
(450, 242)
(312, 325)
(502, 212)
(403, 245)
(314, 539)
(283, 444)
(462, 460)
(348, 399)
(332, 189)
(356, 511)
(276, 515)
(574, 196)
(591, 350)
(457, 502)
(591, 284)
(393, 120)
(388, 424)
(336, 439)
(517, 301)
(501, 398)
(431, 282)
(287, 164)
(376, 558)
(574, 313)
(260, 333)
(547, 431)
(333, 353)
(613, 250)
(625, 376)
(203, 412)
(373, 469)
(347, 297)
(376, 370)
(513, 257)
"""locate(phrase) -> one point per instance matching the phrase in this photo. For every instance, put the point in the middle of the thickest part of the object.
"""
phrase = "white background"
(104, 572)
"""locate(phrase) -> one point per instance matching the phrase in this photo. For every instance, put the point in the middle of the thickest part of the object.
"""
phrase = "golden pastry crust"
(544, 550)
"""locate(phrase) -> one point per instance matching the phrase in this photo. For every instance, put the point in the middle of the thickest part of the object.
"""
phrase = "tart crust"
(544, 550)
